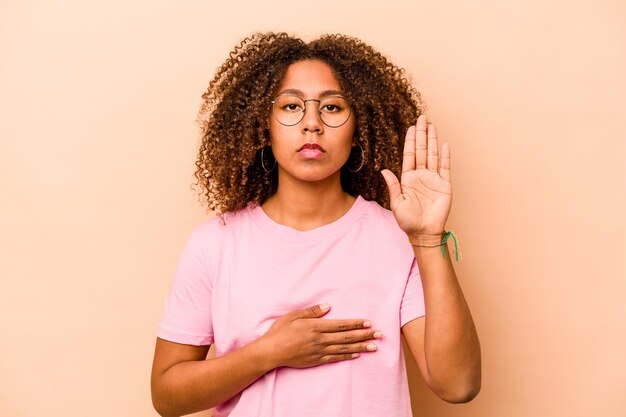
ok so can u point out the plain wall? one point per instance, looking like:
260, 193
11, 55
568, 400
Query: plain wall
98, 103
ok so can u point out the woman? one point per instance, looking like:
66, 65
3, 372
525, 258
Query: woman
306, 282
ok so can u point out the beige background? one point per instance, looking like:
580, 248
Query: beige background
97, 120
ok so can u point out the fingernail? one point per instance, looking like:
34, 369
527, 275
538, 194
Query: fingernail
355, 355
324, 306
371, 347
378, 335
367, 323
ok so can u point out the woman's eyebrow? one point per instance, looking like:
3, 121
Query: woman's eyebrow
301, 94
293, 91
331, 93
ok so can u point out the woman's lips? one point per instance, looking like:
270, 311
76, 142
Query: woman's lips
311, 151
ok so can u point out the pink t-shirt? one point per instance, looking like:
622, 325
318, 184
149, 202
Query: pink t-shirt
235, 279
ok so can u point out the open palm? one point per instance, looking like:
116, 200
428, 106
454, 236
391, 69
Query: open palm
421, 200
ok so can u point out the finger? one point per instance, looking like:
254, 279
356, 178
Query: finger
337, 358
332, 326
351, 348
420, 142
312, 312
444, 169
408, 156
395, 190
433, 148
352, 336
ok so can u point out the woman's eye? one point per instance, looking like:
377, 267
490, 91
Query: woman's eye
331, 108
291, 107
334, 105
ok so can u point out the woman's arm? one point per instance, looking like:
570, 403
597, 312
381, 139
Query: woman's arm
444, 343
184, 381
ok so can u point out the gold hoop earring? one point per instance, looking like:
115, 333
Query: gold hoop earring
362, 160
263, 161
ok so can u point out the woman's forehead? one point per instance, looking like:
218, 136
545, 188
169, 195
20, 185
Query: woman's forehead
311, 77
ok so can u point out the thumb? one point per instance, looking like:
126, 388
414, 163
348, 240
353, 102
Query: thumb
395, 190
313, 312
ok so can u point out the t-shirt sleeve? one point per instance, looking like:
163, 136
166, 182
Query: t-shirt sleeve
187, 313
412, 305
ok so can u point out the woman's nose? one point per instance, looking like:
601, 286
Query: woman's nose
311, 121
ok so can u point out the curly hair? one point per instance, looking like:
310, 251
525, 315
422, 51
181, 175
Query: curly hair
234, 116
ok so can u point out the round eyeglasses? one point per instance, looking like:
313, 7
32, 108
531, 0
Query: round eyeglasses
289, 110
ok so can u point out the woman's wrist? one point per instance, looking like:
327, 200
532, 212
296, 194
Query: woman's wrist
426, 239
423, 243
265, 353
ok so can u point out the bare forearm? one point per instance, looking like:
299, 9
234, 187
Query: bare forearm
451, 346
192, 386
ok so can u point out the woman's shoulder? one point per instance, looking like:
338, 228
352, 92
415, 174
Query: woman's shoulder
378, 213
382, 221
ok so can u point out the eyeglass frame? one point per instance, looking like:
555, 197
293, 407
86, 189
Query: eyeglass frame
319, 111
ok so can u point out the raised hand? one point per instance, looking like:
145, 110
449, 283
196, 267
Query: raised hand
421, 200
302, 339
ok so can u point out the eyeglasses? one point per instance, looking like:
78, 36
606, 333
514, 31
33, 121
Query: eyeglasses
289, 110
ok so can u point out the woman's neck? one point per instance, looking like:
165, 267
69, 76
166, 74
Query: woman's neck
306, 206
